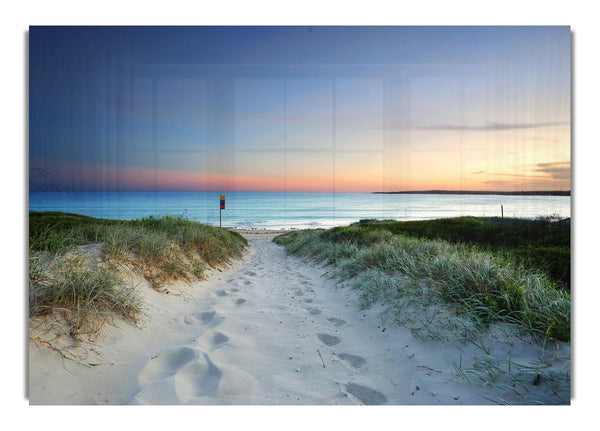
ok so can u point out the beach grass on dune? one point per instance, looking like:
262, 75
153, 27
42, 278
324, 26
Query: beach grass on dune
75, 261
406, 266
542, 244
84, 294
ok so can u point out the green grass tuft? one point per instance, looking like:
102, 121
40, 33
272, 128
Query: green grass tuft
542, 244
83, 292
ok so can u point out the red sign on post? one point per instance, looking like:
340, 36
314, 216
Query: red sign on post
222, 207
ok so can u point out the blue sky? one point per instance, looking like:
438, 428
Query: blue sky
299, 108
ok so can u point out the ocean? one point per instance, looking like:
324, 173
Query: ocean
295, 210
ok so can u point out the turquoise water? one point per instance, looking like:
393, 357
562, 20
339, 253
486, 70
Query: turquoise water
295, 210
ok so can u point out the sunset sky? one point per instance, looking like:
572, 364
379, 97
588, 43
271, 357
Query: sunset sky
299, 109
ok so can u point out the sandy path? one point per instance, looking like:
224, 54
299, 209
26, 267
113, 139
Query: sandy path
269, 330
274, 332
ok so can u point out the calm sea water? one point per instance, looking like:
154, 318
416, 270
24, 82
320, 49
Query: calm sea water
295, 210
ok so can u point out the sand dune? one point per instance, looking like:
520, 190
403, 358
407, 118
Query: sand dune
270, 329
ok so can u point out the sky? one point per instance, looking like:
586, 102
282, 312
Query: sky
299, 109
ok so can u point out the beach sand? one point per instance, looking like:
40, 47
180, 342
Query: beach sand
270, 329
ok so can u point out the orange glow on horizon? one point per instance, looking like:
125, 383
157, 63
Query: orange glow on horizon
346, 181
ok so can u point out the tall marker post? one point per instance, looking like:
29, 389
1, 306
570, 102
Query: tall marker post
222, 207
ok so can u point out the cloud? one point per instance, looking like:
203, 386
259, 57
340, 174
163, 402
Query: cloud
501, 174
552, 175
492, 127
557, 170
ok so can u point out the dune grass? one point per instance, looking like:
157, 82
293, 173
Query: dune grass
83, 293
75, 261
542, 244
471, 280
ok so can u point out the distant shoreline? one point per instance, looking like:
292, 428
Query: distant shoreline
467, 192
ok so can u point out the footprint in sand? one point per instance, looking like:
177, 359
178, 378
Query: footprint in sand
314, 311
365, 394
202, 318
354, 360
219, 339
221, 293
250, 273
198, 379
337, 322
305, 282
239, 301
247, 282
330, 340
235, 289
299, 293
166, 364
308, 300
212, 340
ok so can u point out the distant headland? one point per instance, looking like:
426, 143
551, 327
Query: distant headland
477, 192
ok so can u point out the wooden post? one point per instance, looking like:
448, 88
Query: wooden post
221, 207
502, 210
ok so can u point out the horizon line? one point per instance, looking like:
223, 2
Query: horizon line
482, 192
434, 191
